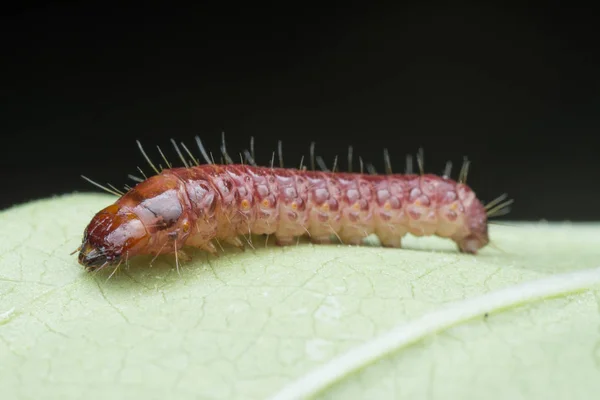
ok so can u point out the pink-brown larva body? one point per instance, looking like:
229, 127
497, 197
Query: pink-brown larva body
194, 206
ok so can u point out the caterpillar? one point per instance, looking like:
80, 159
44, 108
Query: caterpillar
199, 204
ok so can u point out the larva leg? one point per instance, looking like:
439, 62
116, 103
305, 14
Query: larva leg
390, 235
351, 238
210, 248
321, 239
235, 241
355, 241
183, 256
391, 241
202, 243
284, 240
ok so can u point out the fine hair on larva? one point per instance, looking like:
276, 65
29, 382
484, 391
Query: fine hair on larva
205, 203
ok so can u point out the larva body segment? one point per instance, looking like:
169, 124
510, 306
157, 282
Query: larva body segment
194, 206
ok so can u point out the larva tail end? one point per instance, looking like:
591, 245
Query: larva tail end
474, 235
473, 243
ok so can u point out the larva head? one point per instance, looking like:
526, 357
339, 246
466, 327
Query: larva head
112, 234
149, 219
476, 226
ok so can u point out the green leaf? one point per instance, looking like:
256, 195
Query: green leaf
248, 324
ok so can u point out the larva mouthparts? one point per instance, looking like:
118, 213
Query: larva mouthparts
195, 205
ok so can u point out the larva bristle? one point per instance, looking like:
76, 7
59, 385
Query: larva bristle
447, 169
493, 245
96, 270
212, 158
203, 150
252, 147
500, 213
464, 171
250, 158
272, 160
322, 164
336, 234
193, 159
421, 160
179, 153
115, 189
76, 250
301, 163
169, 165
142, 172
280, 153
135, 178
228, 159
497, 200
147, 158
100, 186
177, 259
502, 224
219, 244
335, 160
312, 156
249, 241
157, 254
127, 187
350, 159
387, 162
409, 165
362, 165
371, 169
500, 210
114, 271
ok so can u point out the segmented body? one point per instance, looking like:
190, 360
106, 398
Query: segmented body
197, 205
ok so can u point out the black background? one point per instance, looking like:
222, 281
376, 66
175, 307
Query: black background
514, 89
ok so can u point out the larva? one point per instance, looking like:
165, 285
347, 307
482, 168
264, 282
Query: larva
197, 205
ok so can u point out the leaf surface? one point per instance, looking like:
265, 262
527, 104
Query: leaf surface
246, 324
